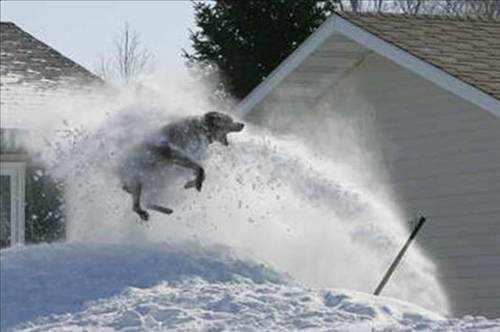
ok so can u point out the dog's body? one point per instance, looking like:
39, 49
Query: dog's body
179, 143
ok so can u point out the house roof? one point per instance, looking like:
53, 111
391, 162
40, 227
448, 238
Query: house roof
343, 41
30, 60
467, 48
33, 74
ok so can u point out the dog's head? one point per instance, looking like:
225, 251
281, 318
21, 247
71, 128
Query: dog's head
219, 125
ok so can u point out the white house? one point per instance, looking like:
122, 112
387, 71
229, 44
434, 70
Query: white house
431, 88
31, 73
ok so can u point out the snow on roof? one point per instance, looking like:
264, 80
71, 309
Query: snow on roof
25, 58
32, 73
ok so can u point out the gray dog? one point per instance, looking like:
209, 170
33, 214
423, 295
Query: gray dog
177, 143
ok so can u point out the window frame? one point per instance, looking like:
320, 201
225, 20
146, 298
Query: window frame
16, 171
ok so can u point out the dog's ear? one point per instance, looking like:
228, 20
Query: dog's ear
211, 119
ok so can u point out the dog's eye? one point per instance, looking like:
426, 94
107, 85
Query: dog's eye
212, 116
218, 119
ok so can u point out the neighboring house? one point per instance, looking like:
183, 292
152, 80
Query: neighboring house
431, 87
31, 72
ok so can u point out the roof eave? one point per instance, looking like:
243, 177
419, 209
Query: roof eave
286, 67
337, 24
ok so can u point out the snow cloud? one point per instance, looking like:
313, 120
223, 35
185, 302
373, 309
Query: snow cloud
310, 215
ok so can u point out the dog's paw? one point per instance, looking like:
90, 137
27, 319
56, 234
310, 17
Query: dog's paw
196, 183
143, 214
166, 210
190, 184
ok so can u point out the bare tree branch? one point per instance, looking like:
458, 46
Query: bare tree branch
128, 61
483, 8
102, 68
354, 5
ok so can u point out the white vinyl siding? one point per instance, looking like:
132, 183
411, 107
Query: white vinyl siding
439, 140
442, 156
443, 159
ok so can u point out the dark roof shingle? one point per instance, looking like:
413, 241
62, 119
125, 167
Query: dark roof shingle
34, 76
467, 48
31, 60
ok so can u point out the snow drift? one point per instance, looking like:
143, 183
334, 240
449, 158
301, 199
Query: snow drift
58, 279
110, 287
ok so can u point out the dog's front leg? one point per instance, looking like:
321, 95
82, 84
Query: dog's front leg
182, 160
197, 181
177, 157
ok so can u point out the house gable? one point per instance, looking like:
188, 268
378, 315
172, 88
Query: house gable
347, 41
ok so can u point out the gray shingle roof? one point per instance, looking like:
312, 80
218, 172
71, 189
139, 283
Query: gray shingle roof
467, 48
30, 60
34, 77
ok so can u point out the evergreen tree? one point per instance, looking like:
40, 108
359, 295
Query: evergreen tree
241, 42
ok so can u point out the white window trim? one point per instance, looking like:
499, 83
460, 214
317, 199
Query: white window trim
17, 173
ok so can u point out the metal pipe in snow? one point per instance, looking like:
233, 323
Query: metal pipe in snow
400, 255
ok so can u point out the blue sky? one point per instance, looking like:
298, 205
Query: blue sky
83, 30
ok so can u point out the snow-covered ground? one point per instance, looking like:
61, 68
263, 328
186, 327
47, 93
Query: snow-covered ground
188, 287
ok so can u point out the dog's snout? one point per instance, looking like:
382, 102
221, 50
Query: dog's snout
240, 126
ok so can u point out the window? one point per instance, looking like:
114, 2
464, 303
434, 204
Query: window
12, 200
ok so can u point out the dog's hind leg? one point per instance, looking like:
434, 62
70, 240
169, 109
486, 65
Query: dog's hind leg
136, 198
160, 208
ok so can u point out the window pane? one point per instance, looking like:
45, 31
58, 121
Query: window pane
44, 207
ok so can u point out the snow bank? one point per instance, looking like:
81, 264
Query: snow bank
53, 279
161, 287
